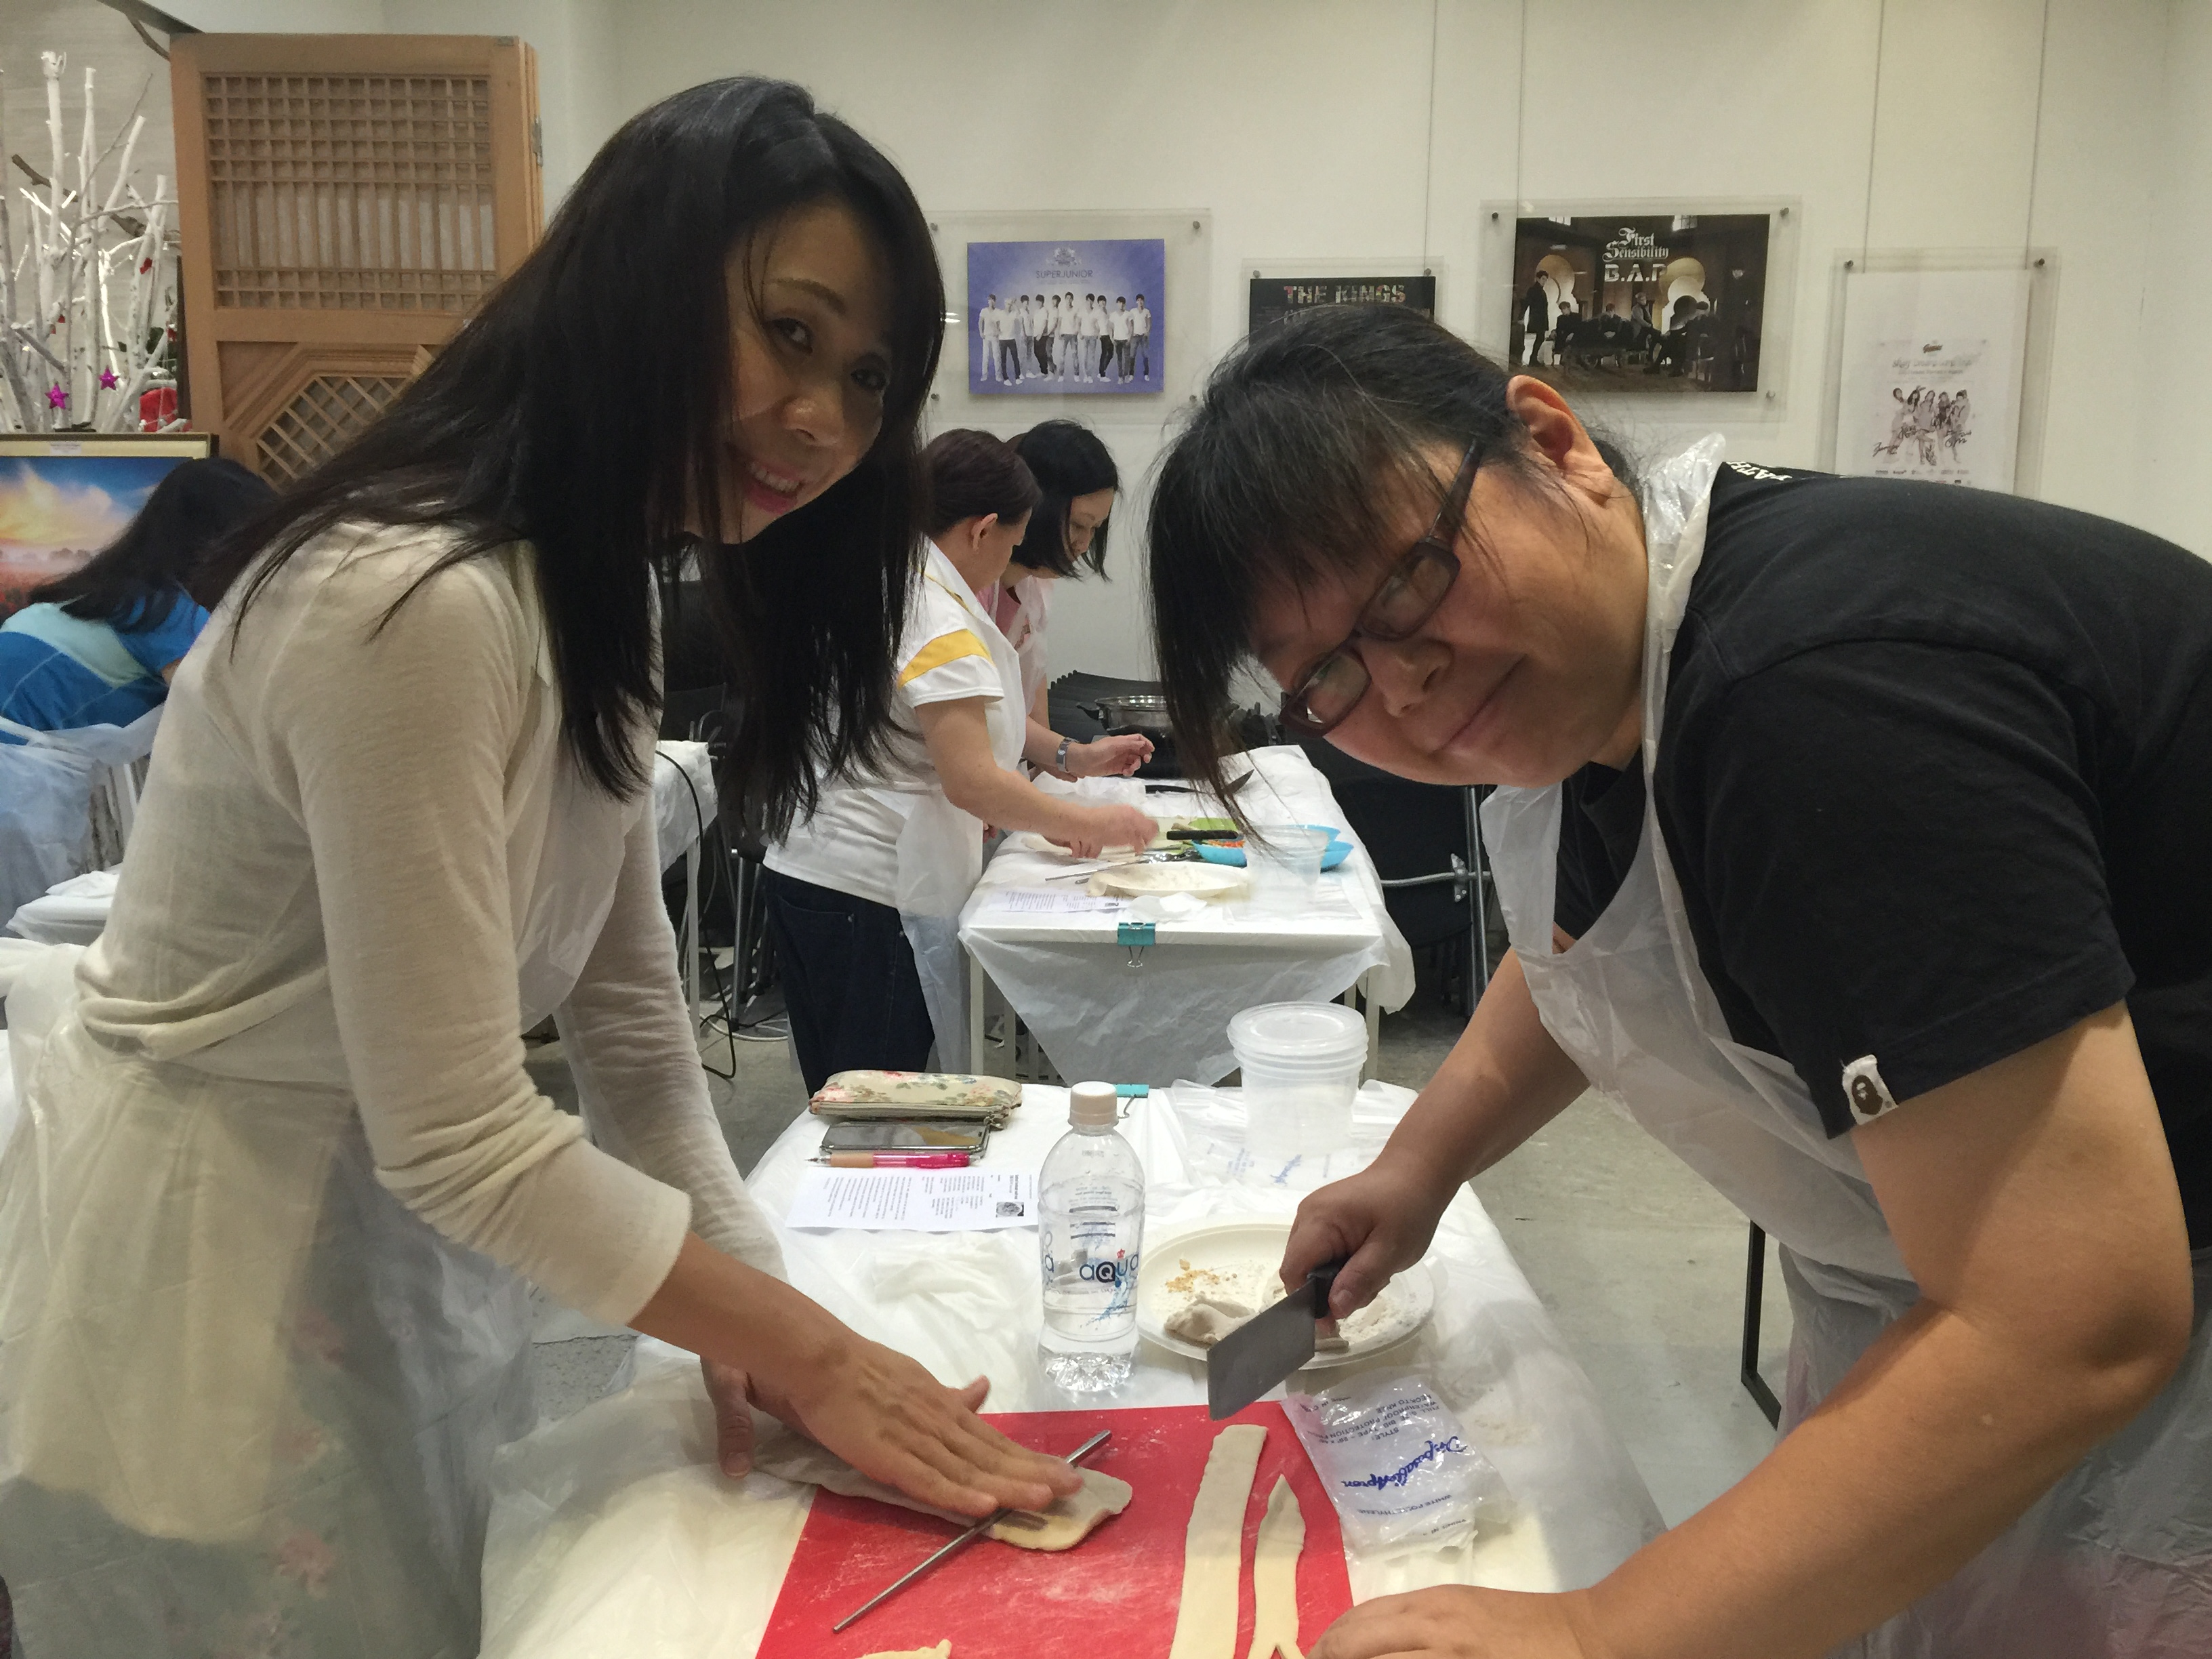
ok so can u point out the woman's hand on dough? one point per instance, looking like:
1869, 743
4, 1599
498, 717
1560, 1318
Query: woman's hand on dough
729, 1389
1090, 830
1109, 757
894, 1422
1454, 1622
1381, 1220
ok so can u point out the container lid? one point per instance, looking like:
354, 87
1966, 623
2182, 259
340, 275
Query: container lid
1320, 1033
1093, 1105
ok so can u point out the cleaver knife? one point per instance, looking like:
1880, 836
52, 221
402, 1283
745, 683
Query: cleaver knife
1268, 1347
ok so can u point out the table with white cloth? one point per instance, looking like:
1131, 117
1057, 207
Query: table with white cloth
1159, 1013
614, 1532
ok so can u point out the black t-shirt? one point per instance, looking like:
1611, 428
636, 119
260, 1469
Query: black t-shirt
1936, 776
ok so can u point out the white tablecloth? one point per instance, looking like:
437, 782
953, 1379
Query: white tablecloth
612, 1531
1167, 1019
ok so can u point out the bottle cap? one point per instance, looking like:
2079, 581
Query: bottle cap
1092, 1106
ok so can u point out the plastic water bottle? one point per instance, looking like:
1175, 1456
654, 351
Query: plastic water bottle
1091, 1233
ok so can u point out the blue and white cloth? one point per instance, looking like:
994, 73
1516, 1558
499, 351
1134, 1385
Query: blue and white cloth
59, 672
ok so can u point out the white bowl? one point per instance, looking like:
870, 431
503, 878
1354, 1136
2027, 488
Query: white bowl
1244, 1256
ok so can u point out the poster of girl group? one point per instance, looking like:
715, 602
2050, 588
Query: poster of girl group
1931, 380
1066, 318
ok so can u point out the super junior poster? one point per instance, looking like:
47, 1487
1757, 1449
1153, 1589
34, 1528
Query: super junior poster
1066, 318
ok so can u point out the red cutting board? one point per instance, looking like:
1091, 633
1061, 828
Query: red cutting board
1113, 1596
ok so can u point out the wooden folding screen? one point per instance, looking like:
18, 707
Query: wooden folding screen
345, 200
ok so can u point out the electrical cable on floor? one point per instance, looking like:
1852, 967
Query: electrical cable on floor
722, 990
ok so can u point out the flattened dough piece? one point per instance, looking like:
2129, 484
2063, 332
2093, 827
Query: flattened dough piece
1213, 1548
942, 1650
1206, 1321
1073, 1518
1275, 1576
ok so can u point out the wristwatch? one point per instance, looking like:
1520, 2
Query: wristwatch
1060, 755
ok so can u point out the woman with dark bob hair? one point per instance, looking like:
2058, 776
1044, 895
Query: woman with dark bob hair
264, 1313
864, 894
1852, 837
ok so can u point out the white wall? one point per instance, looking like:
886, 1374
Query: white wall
124, 67
2174, 432
1331, 130
1304, 125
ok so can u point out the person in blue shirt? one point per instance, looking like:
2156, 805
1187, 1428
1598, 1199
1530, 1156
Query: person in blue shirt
98, 645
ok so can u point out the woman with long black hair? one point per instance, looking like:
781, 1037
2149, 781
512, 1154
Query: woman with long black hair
263, 1315
1064, 537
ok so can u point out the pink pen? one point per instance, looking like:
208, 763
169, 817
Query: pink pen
895, 1160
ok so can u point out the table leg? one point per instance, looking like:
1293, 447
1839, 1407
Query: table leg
975, 983
691, 940
1374, 1025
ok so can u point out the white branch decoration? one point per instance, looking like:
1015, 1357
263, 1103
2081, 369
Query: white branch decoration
88, 303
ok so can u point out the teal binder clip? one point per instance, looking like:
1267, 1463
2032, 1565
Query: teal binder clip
1134, 936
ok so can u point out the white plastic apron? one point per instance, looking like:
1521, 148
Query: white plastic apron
940, 850
2116, 1561
249, 1401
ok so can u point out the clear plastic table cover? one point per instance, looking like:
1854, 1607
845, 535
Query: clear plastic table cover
1058, 971
613, 1532
72, 912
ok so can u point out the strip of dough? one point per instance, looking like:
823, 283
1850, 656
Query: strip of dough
1213, 1548
1275, 1576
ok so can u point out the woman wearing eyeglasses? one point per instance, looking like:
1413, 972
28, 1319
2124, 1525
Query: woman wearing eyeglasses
1912, 960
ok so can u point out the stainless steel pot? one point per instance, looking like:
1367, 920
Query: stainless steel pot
1140, 713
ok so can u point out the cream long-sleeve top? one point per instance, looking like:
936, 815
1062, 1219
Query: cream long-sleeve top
360, 835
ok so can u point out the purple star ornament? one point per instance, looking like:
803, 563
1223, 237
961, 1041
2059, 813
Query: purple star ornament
107, 378
56, 398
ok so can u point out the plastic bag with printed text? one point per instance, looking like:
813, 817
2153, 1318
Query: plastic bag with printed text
1400, 1468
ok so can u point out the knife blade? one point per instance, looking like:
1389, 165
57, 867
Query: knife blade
1268, 1347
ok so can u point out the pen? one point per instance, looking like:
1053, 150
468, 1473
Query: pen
895, 1160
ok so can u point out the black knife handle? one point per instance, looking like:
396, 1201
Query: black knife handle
1323, 1280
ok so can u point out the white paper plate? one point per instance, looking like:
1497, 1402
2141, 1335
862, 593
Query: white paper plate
1241, 1252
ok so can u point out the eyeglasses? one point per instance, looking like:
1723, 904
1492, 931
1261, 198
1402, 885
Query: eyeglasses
1401, 608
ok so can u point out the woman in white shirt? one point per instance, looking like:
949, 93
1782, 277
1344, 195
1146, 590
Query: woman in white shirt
266, 1225
1065, 537
839, 881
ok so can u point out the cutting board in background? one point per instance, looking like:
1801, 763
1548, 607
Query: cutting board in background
1113, 1596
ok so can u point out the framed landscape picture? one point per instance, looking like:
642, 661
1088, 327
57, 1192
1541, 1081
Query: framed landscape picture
62, 498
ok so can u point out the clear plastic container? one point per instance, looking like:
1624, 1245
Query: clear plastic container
1301, 1063
1091, 1233
1283, 861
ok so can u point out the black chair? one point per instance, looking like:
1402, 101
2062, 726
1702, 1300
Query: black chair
1428, 855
